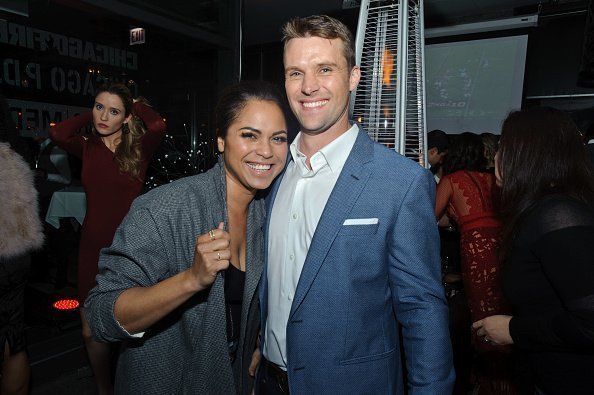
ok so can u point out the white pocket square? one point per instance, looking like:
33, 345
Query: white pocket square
360, 221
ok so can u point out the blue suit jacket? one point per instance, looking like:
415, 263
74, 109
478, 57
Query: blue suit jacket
360, 281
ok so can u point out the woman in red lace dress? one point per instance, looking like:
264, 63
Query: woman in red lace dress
115, 158
469, 195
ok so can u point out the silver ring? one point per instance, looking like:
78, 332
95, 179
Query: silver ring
218, 256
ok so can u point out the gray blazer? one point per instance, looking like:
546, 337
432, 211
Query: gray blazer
186, 352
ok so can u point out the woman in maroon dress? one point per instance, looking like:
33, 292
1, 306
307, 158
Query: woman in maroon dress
469, 195
115, 158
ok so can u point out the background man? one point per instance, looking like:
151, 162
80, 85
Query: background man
437, 148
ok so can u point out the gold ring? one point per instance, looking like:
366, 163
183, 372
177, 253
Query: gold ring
218, 256
211, 234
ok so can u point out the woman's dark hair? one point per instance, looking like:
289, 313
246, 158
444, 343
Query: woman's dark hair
540, 153
466, 152
235, 97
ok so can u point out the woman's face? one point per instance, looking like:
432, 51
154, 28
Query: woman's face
255, 147
109, 114
498, 177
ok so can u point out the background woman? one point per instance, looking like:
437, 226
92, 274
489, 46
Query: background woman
183, 268
490, 144
114, 163
469, 194
547, 195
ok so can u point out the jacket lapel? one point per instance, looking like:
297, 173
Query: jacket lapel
349, 185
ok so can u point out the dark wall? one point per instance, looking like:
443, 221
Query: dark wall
554, 57
265, 62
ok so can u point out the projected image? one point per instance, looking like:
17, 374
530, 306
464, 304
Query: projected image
472, 85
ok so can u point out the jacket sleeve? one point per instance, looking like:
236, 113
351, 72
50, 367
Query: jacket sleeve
418, 294
137, 258
65, 136
566, 257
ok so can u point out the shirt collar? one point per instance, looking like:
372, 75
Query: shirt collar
334, 154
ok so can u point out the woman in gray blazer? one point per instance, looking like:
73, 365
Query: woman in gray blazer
178, 284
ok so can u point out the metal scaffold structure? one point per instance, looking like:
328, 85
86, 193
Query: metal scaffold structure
390, 99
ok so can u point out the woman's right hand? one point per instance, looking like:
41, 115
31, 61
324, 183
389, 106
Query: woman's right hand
211, 255
138, 308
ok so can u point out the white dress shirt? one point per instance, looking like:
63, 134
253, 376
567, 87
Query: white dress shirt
298, 206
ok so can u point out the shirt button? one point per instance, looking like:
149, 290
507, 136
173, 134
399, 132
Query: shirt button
294, 215
290, 297
291, 257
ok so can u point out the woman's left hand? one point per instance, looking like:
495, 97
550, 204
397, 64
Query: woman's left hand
494, 329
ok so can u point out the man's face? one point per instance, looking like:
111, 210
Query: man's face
318, 84
434, 156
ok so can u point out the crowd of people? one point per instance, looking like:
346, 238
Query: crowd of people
524, 228
315, 266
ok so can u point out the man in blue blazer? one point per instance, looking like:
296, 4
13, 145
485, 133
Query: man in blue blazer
352, 248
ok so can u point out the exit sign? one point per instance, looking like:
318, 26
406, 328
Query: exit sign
137, 36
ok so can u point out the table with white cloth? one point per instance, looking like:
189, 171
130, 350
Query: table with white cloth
69, 202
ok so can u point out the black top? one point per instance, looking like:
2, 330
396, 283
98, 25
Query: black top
549, 279
234, 284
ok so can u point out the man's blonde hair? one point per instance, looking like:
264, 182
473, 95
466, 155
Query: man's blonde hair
321, 26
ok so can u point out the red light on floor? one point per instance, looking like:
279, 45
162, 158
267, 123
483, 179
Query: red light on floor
66, 304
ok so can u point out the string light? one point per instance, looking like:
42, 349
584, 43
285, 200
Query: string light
180, 156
